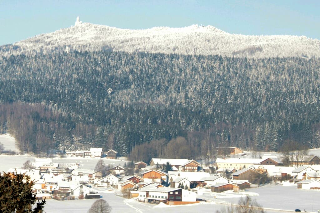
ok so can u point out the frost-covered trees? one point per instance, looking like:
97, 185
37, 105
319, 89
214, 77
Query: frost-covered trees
63, 101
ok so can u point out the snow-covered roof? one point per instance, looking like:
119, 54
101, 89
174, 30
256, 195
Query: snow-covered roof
191, 176
313, 174
211, 178
158, 189
300, 169
242, 171
173, 162
239, 160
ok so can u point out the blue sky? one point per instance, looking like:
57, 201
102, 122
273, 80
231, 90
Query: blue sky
22, 19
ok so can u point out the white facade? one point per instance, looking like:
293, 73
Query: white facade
188, 196
111, 180
236, 163
96, 152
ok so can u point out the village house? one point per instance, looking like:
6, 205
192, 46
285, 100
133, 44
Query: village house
314, 175
92, 153
272, 161
154, 176
117, 170
245, 174
96, 152
213, 180
190, 166
126, 185
111, 154
221, 187
171, 196
308, 184
235, 163
176, 164
240, 185
195, 178
111, 180
300, 172
180, 182
304, 160
140, 165
132, 178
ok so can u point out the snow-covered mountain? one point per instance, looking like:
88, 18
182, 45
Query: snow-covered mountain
195, 39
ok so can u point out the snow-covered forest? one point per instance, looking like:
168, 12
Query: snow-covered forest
195, 39
123, 100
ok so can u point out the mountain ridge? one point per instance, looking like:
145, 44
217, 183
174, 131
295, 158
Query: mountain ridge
190, 40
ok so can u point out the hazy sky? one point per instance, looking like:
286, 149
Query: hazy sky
22, 19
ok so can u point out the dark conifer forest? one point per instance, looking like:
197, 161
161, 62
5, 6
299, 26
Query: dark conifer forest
146, 104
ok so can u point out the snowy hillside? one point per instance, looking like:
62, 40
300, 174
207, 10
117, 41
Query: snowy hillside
206, 40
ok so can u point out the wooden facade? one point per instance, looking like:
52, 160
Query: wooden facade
153, 175
175, 195
248, 174
140, 165
127, 185
270, 161
191, 166
222, 187
111, 154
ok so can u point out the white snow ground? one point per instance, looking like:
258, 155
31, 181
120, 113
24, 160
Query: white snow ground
8, 142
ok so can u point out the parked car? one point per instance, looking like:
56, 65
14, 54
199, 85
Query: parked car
297, 210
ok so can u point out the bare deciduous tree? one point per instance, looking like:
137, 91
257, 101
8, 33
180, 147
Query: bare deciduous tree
100, 206
245, 205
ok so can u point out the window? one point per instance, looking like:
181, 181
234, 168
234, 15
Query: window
178, 197
171, 197
161, 196
176, 193
171, 193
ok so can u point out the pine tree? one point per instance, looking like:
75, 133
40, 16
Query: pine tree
16, 194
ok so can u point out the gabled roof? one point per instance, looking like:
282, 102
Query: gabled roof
111, 150
313, 174
158, 171
123, 183
129, 177
192, 176
190, 162
221, 184
178, 179
300, 169
140, 162
277, 160
211, 178
242, 171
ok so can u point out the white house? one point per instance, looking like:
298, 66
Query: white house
180, 182
300, 172
96, 152
213, 180
236, 163
111, 180
308, 184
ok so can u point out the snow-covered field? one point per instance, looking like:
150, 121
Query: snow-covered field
275, 198
8, 142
